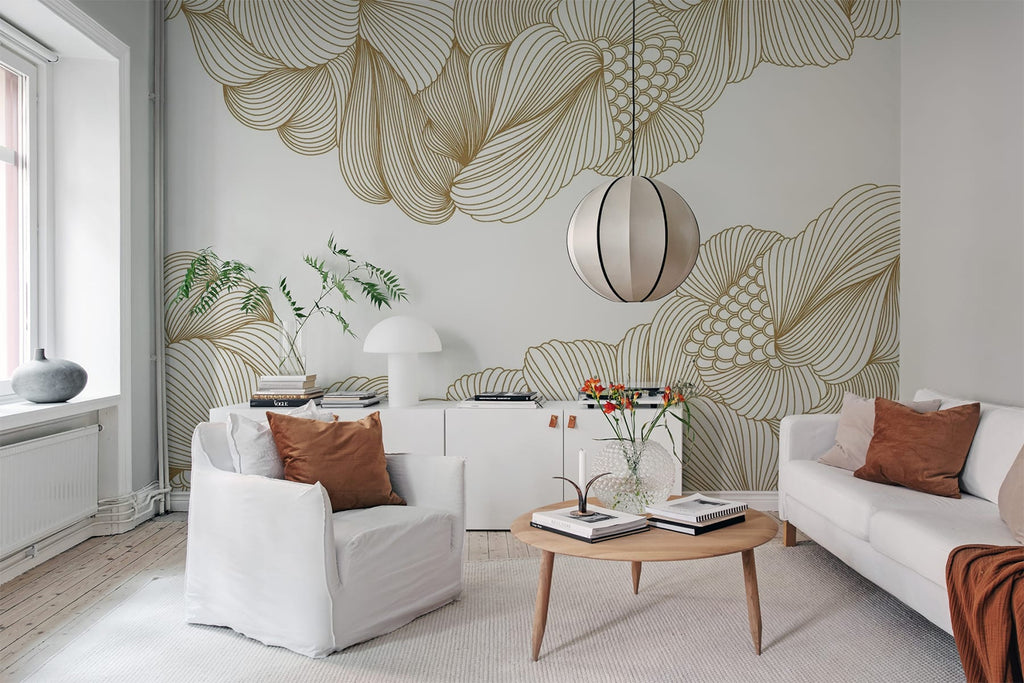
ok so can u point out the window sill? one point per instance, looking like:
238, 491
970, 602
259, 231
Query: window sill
20, 413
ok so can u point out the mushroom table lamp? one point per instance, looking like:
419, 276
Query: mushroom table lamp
402, 337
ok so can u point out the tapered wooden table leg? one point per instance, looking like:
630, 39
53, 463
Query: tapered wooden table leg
540, 608
635, 566
753, 600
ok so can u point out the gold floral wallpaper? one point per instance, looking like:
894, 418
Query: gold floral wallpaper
490, 109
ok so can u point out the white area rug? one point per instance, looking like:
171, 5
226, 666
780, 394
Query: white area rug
822, 622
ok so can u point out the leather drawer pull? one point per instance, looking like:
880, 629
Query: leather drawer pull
553, 422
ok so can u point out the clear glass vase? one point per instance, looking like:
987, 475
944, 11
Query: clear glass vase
642, 473
291, 354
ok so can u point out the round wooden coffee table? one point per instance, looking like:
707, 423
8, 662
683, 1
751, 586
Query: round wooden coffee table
656, 545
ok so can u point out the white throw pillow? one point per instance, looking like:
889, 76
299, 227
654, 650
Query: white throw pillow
252, 446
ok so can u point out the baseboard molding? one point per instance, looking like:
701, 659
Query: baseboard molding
45, 549
758, 500
114, 517
179, 501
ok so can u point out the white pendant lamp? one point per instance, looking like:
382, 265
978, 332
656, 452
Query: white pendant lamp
633, 238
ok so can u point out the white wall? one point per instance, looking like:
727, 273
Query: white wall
132, 23
962, 278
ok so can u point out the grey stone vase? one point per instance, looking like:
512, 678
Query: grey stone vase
48, 380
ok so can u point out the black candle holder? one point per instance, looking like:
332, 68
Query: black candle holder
582, 511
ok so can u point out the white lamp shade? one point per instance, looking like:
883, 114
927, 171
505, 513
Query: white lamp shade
402, 334
633, 239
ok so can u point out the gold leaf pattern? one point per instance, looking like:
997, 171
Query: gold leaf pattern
212, 359
765, 326
492, 108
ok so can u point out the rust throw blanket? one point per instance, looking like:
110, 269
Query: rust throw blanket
986, 602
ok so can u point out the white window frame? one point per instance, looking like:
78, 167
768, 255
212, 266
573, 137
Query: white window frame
24, 54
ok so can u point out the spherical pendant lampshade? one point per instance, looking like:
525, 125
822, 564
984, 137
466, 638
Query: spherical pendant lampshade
633, 239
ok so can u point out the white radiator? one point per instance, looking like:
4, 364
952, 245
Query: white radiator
46, 485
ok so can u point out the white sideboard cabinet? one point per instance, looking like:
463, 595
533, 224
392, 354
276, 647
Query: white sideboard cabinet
512, 454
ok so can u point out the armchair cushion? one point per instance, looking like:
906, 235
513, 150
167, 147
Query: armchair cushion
347, 458
252, 445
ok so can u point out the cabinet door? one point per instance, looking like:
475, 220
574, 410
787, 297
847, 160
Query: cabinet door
590, 425
511, 456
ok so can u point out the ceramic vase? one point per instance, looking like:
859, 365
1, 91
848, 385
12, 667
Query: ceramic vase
642, 473
48, 380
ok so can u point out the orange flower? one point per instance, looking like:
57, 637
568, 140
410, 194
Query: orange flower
609, 407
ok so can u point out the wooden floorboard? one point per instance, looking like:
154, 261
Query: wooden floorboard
50, 605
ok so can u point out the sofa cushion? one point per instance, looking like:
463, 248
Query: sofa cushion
925, 452
920, 537
856, 427
1011, 498
999, 437
844, 500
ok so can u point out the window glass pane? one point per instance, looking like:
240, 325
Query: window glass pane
12, 177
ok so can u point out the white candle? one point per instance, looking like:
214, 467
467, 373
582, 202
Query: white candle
583, 469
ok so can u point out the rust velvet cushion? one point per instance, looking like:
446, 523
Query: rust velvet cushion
347, 458
922, 451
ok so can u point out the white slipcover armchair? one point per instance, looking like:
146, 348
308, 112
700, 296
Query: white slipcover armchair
267, 557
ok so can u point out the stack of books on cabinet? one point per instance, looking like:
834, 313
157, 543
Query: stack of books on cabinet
349, 399
696, 514
600, 526
503, 399
285, 391
650, 397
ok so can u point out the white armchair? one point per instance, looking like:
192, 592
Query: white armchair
267, 557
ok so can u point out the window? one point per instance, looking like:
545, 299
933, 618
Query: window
17, 214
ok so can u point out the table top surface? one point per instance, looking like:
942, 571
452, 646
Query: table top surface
655, 545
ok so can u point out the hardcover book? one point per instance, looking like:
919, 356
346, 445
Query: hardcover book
696, 508
506, 396
606, 537
695, 529
331, 403
605, 522
258, 402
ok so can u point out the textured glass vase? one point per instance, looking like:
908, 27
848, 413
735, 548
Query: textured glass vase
642, 473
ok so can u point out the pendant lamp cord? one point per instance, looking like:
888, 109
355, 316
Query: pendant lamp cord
632, 71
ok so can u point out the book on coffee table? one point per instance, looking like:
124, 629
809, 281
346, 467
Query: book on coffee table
619, 534
696, 529
604, 523
696, 508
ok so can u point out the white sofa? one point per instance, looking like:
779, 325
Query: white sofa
897, 537
267, 557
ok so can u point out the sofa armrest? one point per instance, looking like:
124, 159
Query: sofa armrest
249, 536
806, 437
433, 481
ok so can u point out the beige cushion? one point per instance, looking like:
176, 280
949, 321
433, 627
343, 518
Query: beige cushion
856, 427
925, 452
1011, 498
347, 458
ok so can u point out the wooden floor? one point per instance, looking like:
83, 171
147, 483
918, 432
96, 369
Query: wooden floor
50, 605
